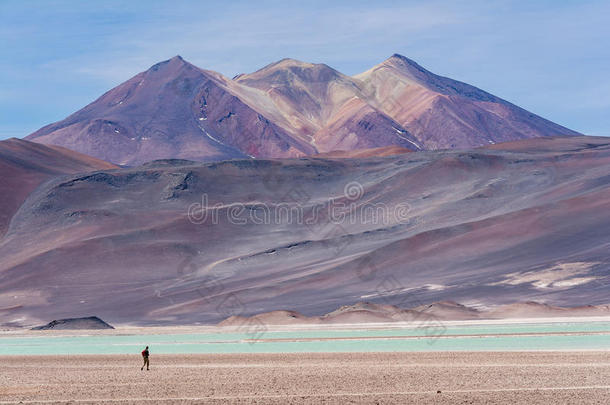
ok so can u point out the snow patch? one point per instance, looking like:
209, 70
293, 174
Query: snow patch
402, 131
410, 141
435, 287
210, 136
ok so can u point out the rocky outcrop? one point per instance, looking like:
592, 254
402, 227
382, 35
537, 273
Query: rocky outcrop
91, 322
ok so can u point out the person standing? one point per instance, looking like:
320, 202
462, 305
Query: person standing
145, 354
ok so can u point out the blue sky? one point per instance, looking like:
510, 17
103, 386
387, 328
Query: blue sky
550, 57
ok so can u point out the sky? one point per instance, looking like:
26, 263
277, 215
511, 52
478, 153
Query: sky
549, 57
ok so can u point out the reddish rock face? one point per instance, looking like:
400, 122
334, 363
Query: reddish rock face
288, 109
24, 165
325, 107
365, 153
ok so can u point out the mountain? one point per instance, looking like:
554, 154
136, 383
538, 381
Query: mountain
289, 108
173, 110
25, 165
178, 242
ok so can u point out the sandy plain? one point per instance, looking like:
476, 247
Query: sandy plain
311, 378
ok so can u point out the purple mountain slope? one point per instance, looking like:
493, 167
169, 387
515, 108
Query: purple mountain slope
182, 242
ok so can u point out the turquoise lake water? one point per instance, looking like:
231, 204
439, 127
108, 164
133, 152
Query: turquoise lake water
429, 338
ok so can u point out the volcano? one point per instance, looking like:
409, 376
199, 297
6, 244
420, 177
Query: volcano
290, 108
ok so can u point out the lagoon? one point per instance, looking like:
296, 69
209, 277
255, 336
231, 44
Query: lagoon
496, 337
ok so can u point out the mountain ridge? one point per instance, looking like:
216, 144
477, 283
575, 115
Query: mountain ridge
25, 165
286, 109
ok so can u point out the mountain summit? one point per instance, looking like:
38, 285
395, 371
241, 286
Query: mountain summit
445, 113
172, 110
288, 109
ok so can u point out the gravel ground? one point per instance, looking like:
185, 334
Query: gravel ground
311, 378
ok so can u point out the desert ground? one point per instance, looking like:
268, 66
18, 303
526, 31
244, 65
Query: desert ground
308, 378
